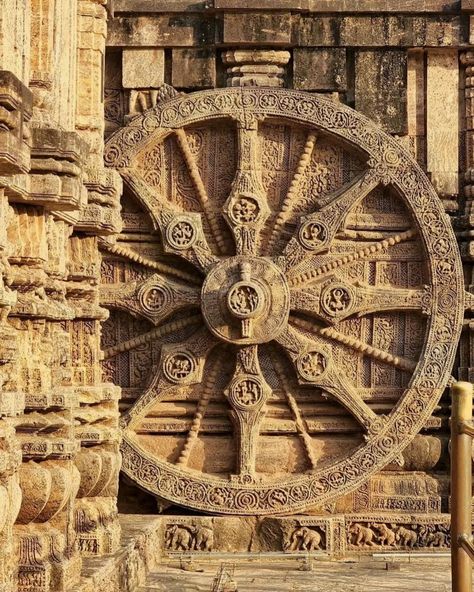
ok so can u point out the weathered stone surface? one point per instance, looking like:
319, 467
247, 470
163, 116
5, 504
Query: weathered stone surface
274, 202
442, 99
193, 68
257, 28
247, 67
164, 31
380, 91
320, 69
400, 6
143, 68
379, 31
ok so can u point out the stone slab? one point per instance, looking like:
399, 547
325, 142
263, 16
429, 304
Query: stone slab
319, 69
127, 568
333, 6
380, 31
156, 6
185, 30
442, 128
266, 574
380, 89
143, 68
257, 28
384, 5
193, 68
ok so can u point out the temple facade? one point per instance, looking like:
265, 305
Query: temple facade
235, 279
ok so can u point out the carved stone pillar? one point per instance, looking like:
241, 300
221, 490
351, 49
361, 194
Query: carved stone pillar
97, 417
15, 111
256, 67
466, 220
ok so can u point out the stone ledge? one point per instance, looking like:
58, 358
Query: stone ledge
125, 570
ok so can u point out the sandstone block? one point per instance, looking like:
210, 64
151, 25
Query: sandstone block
379, 31
384, 5
193, 68
143, 6
143, 68
442, 118
319, 69
257, 28
380, 89
162, 31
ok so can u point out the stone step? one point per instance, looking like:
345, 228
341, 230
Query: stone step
127, 569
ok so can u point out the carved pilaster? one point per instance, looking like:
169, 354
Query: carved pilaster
259, 67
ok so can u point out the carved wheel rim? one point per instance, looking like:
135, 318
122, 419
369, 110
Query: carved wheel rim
237, 311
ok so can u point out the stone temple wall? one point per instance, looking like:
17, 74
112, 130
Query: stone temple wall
59, 436
72, 71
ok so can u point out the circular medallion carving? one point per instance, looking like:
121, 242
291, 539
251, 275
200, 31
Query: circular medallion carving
245, 210
294, 294
179, 366
312, 365
154, 298
246, 392
336, 300
181, 234
313, 235
263, 298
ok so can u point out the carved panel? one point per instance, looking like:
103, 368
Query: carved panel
300, 295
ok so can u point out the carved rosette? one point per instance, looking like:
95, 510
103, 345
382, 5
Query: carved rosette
283, 283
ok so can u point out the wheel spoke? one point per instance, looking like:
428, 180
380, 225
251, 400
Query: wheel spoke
200, 189
300, 423
154, 335
180, 364
154, 298
314, 366
319, 271
247, 394
357, 345
293, 197
181, 232
316, 231
133, 256
208, 387
246, 208
336, 300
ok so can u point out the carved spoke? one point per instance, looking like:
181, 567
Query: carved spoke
181, 232
328, 268
292, 198
300, 423
246, 209
181, 364
247, 393
358, 345
135, 257
154, 335
314, 365
154, 299
336, 300
207, 390
316, 231
199, 186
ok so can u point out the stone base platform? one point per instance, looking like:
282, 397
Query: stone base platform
290, 574
165, 548
127, 569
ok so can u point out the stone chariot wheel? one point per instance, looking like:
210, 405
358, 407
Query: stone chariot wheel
305, 295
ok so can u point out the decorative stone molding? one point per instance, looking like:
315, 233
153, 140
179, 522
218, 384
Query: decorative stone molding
259, 67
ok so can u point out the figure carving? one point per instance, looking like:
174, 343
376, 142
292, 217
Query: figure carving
194, 537
406, 537
363, 536
304, 539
